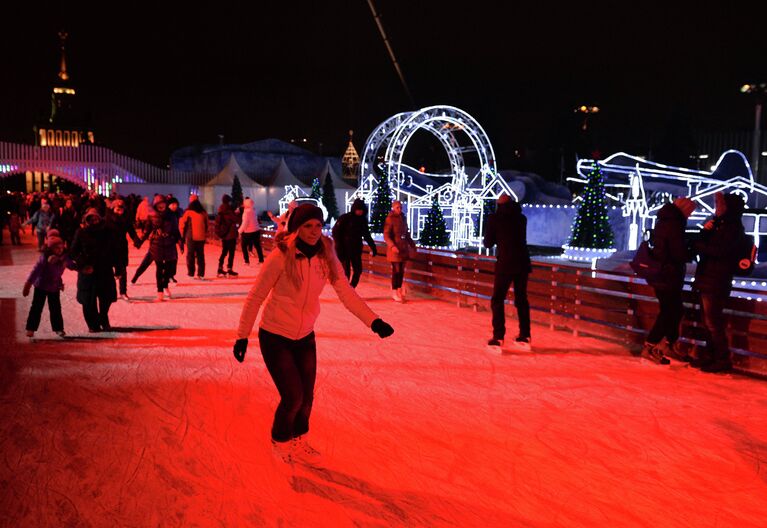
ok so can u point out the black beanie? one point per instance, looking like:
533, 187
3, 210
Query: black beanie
302, 214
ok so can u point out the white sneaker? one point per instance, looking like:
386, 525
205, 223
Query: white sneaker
522, 343
397, 295
303, 451
159, 297
124, 297
167, 292
283, 451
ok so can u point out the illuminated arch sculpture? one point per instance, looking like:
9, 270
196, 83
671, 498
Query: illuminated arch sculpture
460, 194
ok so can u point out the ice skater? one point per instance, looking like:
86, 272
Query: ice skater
398, 247
47, 282
292, 278
95, 255
348, 234
163, 235
507, 229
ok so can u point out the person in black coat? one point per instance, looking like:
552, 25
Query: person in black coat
670, 249
718, 248
67, 222
348, 233
507, 229
95, 256
119, 221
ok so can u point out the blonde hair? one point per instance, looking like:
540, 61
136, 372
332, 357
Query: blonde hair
286, 242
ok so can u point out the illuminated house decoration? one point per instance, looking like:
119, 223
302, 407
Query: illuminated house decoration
640, 188
65, 126
350, 163
461, 194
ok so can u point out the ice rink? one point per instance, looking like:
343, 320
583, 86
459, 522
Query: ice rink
156, 424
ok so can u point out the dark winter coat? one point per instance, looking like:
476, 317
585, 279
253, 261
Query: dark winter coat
718, 249
507, 229
163, 238
230, 219
121, 225
396, 234
670, 247
95, 255
47, 272
67, 223
350, 230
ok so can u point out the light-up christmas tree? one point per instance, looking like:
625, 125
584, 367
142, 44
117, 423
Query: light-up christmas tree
381, 205
591, 228
434, 233
236, 193
316, 189
329, 198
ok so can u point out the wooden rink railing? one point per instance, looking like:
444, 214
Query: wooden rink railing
609, 305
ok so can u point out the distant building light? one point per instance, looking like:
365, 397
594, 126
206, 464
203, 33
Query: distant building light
764, 153
69, 91
703, 156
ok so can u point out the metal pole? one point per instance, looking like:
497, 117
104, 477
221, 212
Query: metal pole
756, 141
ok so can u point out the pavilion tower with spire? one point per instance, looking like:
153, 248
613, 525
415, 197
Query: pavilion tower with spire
350, 163
66, 126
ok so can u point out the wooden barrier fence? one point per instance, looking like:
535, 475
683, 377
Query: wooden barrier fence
604, 304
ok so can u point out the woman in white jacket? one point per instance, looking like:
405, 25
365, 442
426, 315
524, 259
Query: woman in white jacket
292, 278
250, 231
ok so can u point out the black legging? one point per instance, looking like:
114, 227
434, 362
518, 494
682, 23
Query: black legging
227, 249
355, 263
293, 367
501, 285
250, 240
145, 263
165, 270
397, 274
195, 253
670, 315
36, 310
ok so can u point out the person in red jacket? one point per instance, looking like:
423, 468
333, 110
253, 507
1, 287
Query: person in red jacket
292, 278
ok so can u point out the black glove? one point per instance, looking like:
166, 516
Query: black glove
240, 346
381, 328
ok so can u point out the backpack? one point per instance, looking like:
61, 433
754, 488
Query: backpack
221, 226
746, 257
645, 265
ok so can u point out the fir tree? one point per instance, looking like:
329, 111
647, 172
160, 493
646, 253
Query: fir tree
236, 193
434, 231
316, 190
329, 198
381, 205
591, 228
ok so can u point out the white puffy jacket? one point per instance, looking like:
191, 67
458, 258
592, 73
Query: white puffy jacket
291, 311
249, 218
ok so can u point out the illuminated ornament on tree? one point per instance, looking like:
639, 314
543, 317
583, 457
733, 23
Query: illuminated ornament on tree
434, 232
381, 206
592, 236
461, 193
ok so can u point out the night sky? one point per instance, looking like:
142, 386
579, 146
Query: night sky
155, 81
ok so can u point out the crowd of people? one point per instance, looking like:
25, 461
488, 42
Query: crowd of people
90, 234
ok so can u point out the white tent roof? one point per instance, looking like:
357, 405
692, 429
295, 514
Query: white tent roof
283, 176
338, 182
227, 174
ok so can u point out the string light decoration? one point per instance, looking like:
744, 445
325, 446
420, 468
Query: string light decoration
591, 227
329, 198
381, 205
434, 232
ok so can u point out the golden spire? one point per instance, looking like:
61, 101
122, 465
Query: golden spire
63, 75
